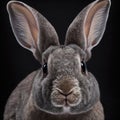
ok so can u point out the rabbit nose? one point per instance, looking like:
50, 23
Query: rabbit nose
64, 93
65, 99
71, 98
65, 86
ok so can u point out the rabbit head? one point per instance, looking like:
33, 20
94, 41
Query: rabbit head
63, 84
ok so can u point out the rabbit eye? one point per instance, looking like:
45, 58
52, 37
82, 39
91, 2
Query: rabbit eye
45, 68
83, 66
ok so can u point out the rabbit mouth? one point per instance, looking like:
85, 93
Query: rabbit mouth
66, 92
60, 99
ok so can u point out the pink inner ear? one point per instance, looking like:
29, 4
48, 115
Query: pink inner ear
30, 18
91, 14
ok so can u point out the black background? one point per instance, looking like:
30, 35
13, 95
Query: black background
17, 62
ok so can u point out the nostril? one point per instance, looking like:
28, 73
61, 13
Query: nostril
66, 94
63, 93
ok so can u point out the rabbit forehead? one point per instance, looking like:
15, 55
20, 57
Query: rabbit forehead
64, 61
64, 52
61, 52
64, 56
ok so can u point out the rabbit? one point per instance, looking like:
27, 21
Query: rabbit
63, 88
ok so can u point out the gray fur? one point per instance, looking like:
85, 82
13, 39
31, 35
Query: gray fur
65, 92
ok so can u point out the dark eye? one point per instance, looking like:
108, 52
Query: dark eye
83, 66
44, 67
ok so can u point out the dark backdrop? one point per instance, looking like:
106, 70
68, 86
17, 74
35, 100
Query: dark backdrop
17, 62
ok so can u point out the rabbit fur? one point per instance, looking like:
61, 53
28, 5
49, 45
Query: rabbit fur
62, 89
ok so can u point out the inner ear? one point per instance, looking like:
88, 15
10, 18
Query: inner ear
31, 21
91, 14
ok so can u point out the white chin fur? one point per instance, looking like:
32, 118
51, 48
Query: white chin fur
66, 109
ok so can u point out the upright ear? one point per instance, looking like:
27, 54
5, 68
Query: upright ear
30, 28
88, 27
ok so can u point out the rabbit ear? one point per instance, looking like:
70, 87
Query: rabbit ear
30, 28
88, 27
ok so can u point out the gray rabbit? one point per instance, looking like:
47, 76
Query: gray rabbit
62, 89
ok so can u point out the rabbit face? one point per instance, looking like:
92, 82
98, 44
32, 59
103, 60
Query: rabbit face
66, 88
